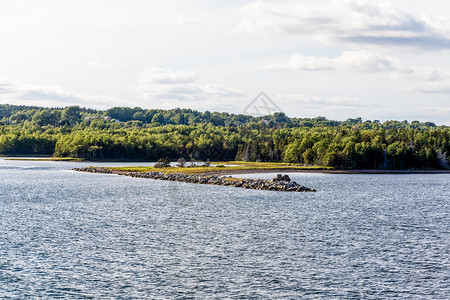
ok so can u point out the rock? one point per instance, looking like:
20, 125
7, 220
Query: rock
281, 178
279, 183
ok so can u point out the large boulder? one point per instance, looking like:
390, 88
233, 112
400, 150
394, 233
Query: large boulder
281, 178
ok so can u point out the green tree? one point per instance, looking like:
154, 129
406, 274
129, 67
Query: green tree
71, 115
163, 163
158, 118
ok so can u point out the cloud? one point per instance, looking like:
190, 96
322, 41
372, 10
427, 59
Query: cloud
16, 92
306, 106
437, 87
162, 76
215, 89
186, 21
428, 79
158, 83
341, 108
359, 22
362, 61
422, 79
316, 102
96, 64
438, 114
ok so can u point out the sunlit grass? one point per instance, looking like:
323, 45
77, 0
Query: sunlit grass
243, 166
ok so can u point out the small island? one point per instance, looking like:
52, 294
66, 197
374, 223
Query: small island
213, 175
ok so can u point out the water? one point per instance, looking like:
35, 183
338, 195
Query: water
75, 235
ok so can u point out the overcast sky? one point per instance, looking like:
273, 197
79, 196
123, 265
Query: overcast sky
384, 60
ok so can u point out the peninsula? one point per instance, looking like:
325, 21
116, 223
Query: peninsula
213, 175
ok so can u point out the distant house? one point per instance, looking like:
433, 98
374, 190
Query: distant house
108, 118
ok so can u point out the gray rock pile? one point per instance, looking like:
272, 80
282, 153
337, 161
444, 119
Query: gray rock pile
281, 178
257, 184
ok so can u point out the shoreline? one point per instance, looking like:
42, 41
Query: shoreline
387, 172
214, 176
226, 171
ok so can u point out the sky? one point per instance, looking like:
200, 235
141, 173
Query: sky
379, 60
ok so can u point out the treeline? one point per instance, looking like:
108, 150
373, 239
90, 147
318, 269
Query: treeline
351, 144
120, 117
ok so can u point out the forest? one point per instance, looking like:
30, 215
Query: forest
124, 133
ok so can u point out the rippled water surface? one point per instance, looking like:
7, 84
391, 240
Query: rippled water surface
65, 234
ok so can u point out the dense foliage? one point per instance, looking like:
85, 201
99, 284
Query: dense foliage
138, 134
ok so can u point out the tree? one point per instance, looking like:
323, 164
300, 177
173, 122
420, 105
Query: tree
181, 162
71, 115
139, 116
207, 163
42, 118
163, 163
280, 117
158, 118
19, 117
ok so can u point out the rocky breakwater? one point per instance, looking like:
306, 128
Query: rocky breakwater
256, 184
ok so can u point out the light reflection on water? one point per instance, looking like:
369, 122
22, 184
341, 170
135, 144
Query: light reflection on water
77, 235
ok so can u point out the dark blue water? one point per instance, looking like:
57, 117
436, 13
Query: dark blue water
74, 235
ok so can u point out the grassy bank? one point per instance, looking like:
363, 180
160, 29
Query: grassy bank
241, 167
236, 167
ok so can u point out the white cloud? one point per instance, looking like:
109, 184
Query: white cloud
96, 64
349, 60
347, 21
435, 87
438, 114
429, 79
162, 76
341, 108
316, 102
158, 83
186, 21
16, 92
418, 78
